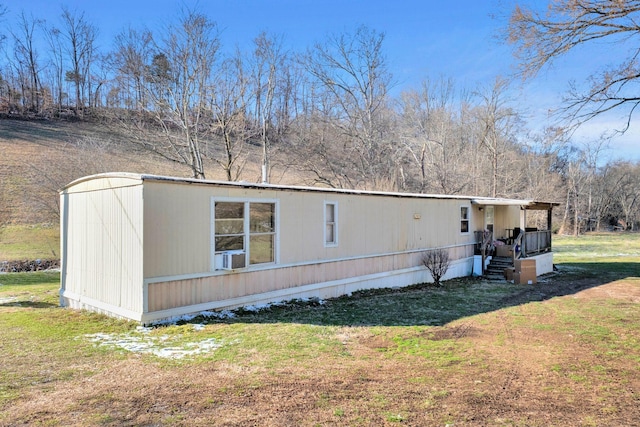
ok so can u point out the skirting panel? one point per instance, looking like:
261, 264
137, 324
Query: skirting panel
325, 289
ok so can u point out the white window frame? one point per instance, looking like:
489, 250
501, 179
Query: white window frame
333, 243
461, 220
246, 231
486, 215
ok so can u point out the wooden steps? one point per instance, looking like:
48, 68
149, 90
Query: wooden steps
495, 269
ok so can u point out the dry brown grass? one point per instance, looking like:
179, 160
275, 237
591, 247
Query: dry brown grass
569, 360
37, 158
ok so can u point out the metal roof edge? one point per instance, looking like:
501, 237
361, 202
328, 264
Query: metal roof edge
243, 184
129, 175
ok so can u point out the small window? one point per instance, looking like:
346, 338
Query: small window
331, 225
464, 219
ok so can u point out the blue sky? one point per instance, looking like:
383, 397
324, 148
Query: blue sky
424, 40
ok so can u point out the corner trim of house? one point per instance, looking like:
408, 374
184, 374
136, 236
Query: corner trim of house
73, 300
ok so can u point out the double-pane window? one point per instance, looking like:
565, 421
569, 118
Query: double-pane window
248, 227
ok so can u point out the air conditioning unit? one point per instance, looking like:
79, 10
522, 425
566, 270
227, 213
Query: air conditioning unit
233, 259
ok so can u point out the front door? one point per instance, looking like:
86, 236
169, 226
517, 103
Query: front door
488, 218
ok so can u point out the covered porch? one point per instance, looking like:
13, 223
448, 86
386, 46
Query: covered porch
512, 229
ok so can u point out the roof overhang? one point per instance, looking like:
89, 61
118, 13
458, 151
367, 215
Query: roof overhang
525, 204
138, 178
541, 206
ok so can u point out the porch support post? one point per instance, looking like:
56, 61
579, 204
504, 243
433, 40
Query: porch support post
523, 228
549, 226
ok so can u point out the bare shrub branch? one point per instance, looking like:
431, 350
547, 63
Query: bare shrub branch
437, 262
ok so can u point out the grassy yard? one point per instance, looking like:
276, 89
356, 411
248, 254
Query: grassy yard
28, 242
472, 353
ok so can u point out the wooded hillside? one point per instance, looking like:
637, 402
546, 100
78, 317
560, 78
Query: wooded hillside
41, 156
171, 102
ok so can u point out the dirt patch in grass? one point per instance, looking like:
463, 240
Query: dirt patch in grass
624, 290
563, 352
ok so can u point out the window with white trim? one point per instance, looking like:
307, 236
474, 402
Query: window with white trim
330, 224
464, 219
247, 227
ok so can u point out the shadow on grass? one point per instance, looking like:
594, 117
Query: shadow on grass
29, 278
28, 304
429, 305
38, 131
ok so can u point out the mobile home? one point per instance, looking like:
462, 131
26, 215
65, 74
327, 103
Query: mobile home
147, 247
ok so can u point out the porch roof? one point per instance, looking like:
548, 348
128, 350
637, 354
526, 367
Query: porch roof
525, 204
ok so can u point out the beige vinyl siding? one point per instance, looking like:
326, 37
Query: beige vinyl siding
166, 295
178, 225
222, 290
104, 227
368, 225
477, 219
506, 217
177, 228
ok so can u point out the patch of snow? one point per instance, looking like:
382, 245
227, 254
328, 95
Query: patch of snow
260, 307
7, 300
256, 308
141, 341
224, 314
230, 314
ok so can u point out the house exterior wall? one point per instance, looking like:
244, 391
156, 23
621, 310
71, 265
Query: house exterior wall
506, 217
178, 231
142, 247
102, 247
380, 242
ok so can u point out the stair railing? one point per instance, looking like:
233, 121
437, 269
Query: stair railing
516, 248
487, 237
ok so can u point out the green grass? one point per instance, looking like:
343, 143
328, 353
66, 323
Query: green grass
26, 242
598, 255
41, 339
595, 247
44, 345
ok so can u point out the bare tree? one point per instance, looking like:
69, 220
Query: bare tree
437, 262
56, 60
3, 11
352, 70
434, 135
179, 88
575, 177
539, 177
229, 110
270, 71
80, 37
627, 196
496, 120
131, 56
566, 25
26, 60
